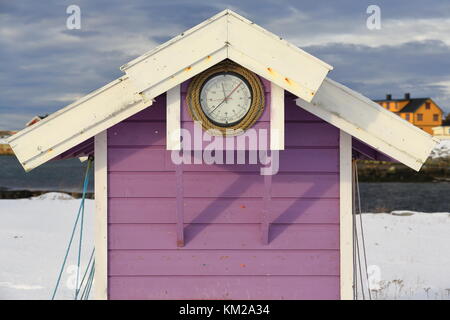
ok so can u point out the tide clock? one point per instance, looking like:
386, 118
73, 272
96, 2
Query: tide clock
227, 98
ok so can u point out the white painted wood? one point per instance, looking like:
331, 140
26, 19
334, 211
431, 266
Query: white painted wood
179, 54
245, 43
370, 123
164, 68
76, 123
345, 218
186, 73
274, 59
180, 37
276, 117
101, 216
173, 125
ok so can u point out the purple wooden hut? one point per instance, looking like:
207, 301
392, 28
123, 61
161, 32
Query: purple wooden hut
223, 167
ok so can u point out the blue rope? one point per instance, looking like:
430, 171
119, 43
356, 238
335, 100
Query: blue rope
86, 183
91, 260
87, 288
80, 210
91, 282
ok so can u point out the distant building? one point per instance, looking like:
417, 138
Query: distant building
35, 119
4, 147
442, 132
422, 112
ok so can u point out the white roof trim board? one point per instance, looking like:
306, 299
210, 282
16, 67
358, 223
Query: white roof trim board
76, 123
226, 35
369, 122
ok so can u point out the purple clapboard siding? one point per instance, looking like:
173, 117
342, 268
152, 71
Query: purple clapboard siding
225, 262
224, 236
223, 256
291, 160
223, 210
221, 184
224, 287
297, 134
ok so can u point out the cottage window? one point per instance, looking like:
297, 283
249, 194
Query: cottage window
435, 117
419, 117
427, 106
407, 116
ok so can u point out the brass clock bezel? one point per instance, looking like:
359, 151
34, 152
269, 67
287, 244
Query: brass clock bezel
256, 107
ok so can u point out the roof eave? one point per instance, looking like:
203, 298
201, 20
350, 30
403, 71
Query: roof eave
369, 122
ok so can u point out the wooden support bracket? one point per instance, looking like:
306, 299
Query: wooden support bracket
265, 217
180, 205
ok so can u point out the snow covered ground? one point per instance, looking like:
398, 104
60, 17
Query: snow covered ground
408, 253
442, 149
34, 234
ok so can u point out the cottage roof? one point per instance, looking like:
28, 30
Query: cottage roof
414, 104
227, 35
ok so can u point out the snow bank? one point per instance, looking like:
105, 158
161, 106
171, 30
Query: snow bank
53, 196
33, 237
408, 254
442, 149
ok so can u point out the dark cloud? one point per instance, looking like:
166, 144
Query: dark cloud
45, 66
414, 67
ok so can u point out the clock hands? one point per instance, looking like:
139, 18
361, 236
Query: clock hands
225, 99
223, 89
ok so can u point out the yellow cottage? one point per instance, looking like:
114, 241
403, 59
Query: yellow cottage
421, 112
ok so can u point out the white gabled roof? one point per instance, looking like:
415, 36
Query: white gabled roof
226, 35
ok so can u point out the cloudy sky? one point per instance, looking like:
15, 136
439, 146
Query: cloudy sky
44, 66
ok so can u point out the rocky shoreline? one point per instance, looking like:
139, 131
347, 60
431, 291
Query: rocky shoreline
24, 194
434, 170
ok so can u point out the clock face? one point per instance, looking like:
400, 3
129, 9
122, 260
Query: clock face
225, 98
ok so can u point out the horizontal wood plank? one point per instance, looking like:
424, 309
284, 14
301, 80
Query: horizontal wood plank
162, 184
157, 111
219, 210
231, 287
311, 134
297, 134
150, 159
294, 113
223, 236
137, 134
223, 262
